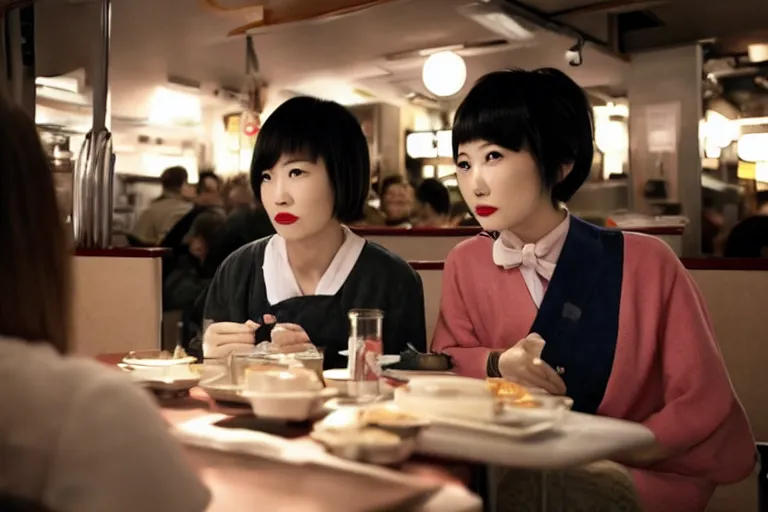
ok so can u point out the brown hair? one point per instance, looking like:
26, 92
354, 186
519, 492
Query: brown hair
174, 178
35, 259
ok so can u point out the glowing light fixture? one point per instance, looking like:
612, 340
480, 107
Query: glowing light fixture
761, 172
444, 73
611, 136
171, 107
753, 147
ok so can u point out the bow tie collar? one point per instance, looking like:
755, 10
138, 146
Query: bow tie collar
510, 252
530, 256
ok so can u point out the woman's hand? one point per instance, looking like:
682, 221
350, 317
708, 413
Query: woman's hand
289, 338
223, 338
522, 364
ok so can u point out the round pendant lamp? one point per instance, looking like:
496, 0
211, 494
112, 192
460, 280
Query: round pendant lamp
444, 73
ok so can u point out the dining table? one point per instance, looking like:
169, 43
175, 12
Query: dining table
240, 481
452, 470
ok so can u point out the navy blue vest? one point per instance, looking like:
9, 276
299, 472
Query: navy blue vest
579, 315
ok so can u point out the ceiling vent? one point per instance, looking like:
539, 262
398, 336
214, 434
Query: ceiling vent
637, 20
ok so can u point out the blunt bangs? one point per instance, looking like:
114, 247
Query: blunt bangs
493, 116
312, 129
284, 133
542, 111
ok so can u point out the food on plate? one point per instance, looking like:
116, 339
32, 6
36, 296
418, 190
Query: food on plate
384, 416
413, 360
369, 437
511, 393
376, 437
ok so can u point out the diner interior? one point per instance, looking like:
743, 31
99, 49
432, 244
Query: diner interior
121, 91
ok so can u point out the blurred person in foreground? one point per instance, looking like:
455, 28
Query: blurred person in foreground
75, 436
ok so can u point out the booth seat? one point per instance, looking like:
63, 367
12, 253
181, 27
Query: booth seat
434, 244
117, 303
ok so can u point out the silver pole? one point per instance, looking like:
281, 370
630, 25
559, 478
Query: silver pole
95, 208
101, 69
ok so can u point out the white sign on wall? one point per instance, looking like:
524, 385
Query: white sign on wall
662, 124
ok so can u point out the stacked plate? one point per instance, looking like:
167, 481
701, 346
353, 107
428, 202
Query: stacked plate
160, 371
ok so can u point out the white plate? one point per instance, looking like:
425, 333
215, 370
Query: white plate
480, 413
158, 362
224, 392
169, 378
384, 359
449, 386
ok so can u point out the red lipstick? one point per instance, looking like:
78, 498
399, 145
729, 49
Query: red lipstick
484, 210
285, 218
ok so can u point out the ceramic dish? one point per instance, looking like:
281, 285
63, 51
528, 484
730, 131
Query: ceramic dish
169, 378
157, 358
224, 392
291, 406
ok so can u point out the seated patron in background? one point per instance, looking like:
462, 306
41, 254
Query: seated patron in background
311, 171
749, 238
612, 320
184, 284
396, 201
75, 436
165, 211
433, 205
237, 194
207, 200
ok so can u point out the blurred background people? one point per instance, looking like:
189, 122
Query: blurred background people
165, 211
433, 205
396, 201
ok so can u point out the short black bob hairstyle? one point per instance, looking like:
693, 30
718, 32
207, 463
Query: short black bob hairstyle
316, 128
542, 111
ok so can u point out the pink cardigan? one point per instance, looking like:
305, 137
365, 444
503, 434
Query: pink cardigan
668, 373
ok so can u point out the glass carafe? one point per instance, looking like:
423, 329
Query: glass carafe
365, 346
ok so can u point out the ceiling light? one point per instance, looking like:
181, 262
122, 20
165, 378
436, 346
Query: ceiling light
497, 21
753, 147
757, 52
444, 73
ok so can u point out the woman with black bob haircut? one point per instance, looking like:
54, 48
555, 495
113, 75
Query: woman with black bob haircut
311, 171
610, 319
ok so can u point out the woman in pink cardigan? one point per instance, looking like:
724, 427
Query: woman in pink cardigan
610, 319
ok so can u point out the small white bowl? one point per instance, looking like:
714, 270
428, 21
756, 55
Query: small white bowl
338, 379
291, 406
